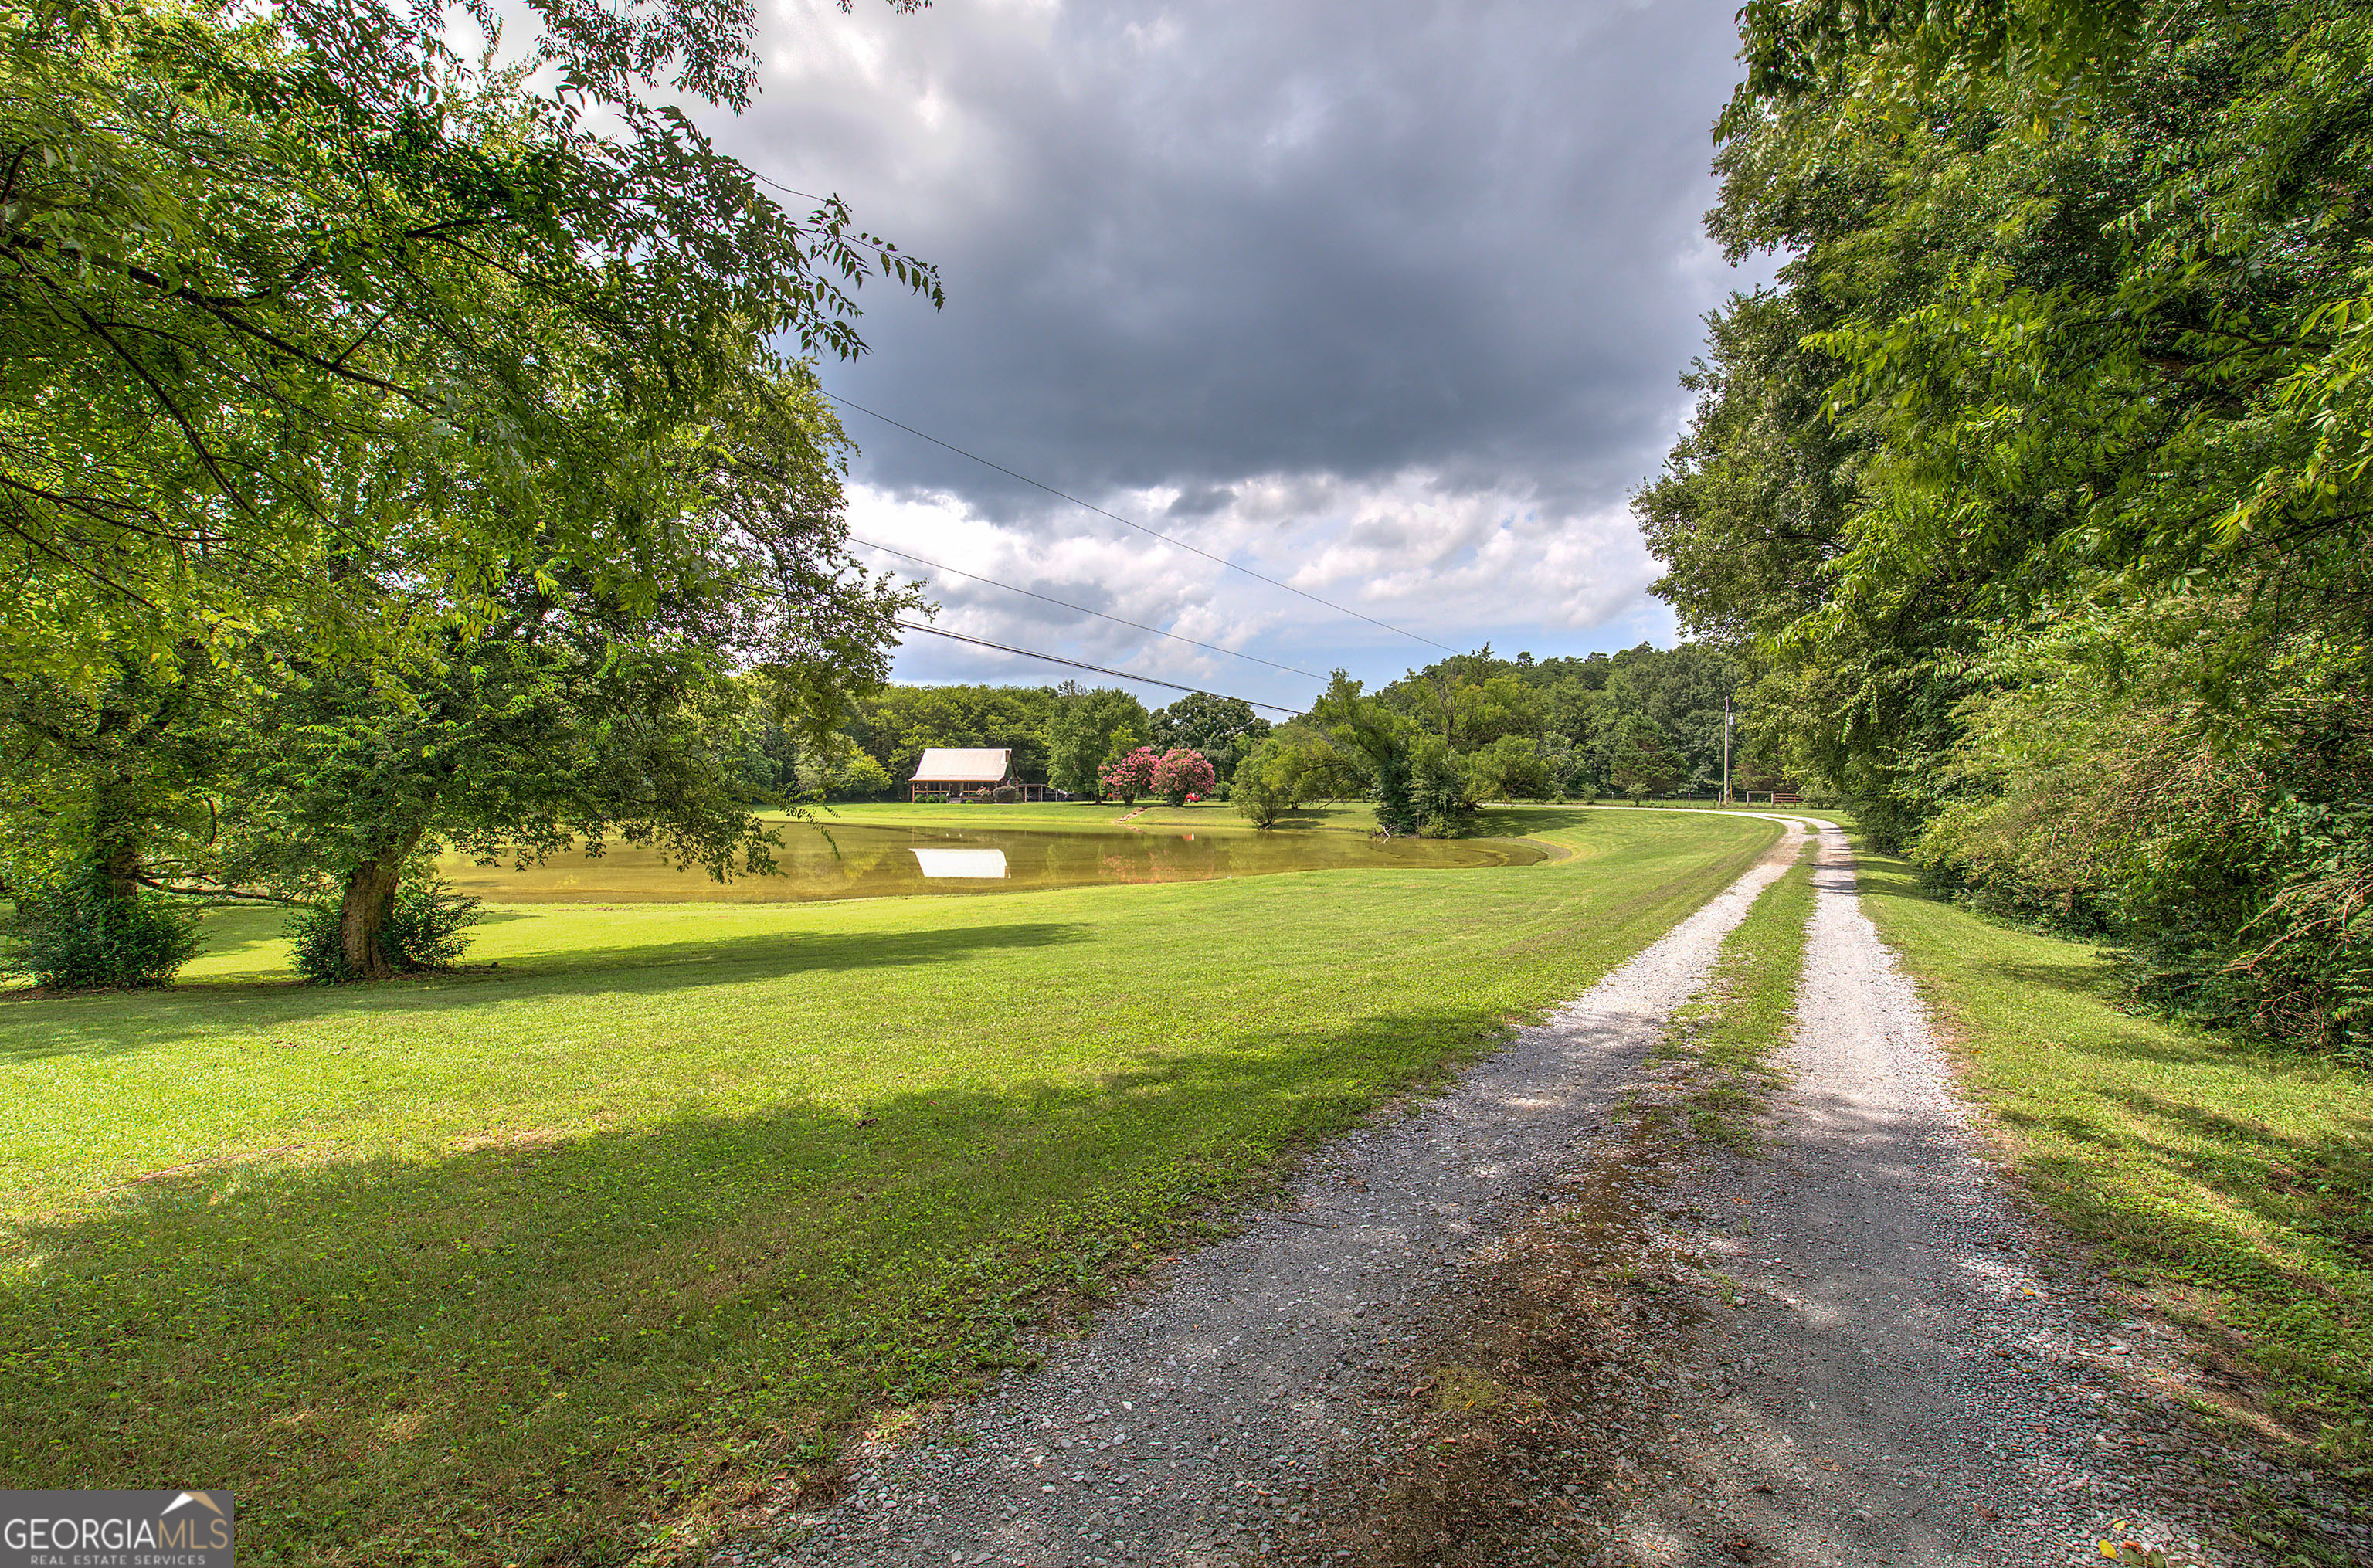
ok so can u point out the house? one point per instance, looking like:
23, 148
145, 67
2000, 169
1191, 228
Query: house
967, 773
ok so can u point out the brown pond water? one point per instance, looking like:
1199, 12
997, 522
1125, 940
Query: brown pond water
824, 860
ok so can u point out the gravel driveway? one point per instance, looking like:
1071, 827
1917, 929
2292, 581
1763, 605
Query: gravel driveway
1191, 1423
1903, 1383
1847, 1348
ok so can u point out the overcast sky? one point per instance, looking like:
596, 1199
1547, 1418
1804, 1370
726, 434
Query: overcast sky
1385, 300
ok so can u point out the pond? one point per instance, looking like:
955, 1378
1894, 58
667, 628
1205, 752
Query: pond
838, 860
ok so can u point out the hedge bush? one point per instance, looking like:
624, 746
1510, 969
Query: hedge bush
74, 935
421, 932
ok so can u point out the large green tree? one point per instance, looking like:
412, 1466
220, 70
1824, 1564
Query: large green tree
282, 284
1085, 730
2043, 477
315, 334
578, 708
1224, 729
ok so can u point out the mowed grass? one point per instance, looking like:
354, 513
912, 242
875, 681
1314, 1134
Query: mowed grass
1731, 1031
560, 1260
2228, 1185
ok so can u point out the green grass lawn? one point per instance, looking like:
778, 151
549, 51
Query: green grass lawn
2228, 1185
556, 1261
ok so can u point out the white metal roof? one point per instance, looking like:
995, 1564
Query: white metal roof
964, 764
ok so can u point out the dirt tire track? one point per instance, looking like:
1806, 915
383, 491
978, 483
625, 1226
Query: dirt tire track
1906, 1383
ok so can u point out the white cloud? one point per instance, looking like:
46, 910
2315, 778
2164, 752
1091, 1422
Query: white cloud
1381, 297
1454, 566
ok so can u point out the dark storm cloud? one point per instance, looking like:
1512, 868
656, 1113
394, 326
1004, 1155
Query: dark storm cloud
1386, 300
1186, 243
1202, 501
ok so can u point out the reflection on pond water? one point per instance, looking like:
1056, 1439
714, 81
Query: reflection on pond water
975, 864
828, 861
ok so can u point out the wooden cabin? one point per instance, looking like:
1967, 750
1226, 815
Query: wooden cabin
967, 773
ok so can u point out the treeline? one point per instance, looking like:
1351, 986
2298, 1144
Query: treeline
1431, 746
1063, 736
2036, 493
1645, 721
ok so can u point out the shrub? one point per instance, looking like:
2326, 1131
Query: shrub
1440, 791
860, 779
1182, 774
1132, 774
1513, 767
72, 933
421, 932
1256, 795
1005, 795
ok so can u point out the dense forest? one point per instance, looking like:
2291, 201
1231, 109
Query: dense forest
2033, 497
1646, 720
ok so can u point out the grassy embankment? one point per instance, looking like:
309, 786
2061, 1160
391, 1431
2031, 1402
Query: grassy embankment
2227, 1185
503, 1266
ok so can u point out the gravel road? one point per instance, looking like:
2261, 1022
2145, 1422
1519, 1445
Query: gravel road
1190, 1427
1903, 1382
1847, 1348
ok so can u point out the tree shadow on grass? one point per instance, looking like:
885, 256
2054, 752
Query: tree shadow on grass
533, 1348
110, 1023
2085, 976
2322, 1185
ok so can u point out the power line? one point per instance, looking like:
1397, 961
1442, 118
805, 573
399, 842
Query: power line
1083, 609
879, 246
788, 190
1167, 539
1076, 665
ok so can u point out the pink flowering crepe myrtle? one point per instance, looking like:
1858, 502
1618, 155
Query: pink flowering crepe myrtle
1184, 775
1132, 775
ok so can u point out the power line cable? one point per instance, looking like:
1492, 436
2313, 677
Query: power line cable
1167, 539
1083, 609
879, 246
788, 190
1076, 665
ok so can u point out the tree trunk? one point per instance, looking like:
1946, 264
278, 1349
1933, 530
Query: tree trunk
363, 911
119, 866
115, 819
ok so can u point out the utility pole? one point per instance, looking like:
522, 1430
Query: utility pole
1725, 748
